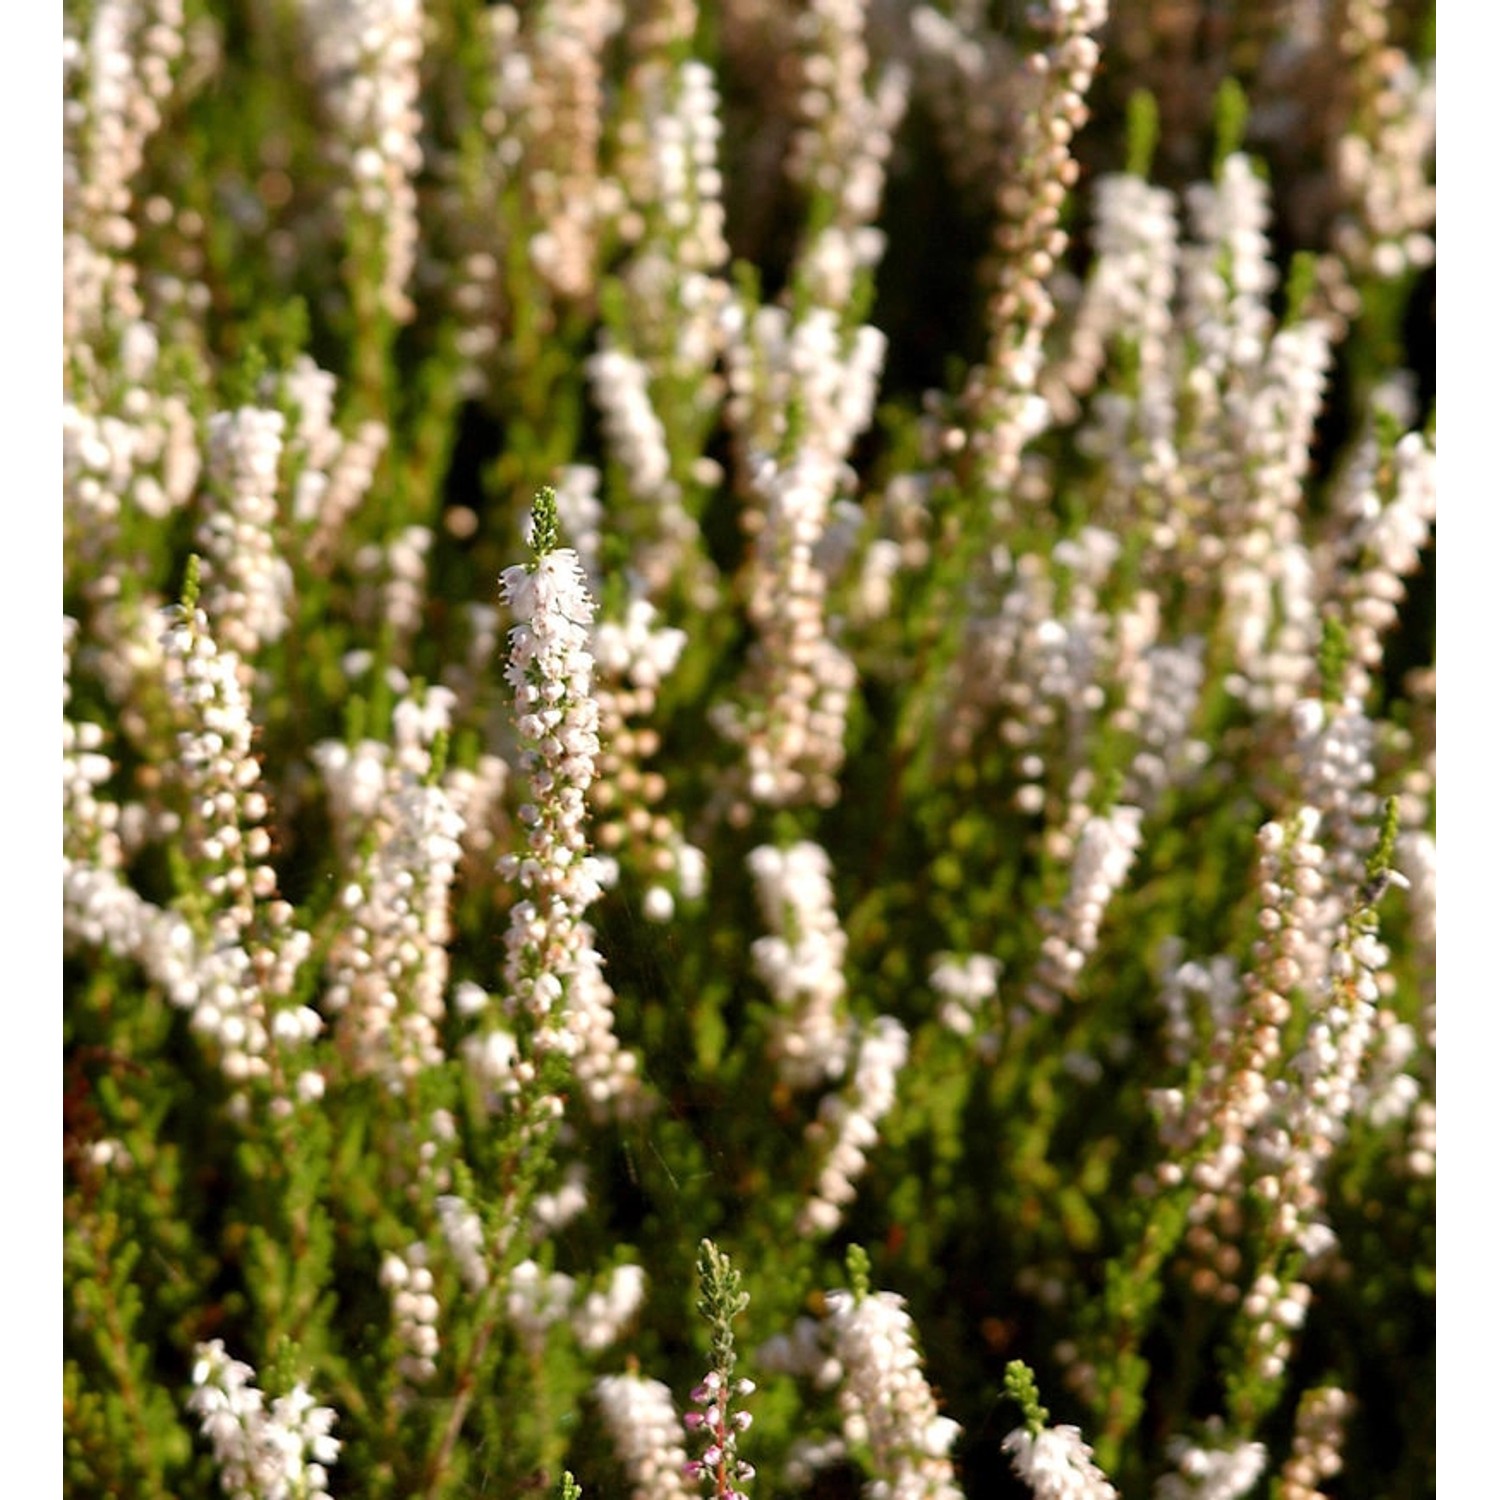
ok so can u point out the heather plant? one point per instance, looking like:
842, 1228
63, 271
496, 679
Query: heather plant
748, 749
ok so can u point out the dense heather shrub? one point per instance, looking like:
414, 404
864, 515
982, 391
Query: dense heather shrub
748, 748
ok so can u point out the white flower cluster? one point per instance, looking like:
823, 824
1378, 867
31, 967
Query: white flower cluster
631, 658
1287, 959
839, 150
1416, 856
873, 590
607, 1075
1255, 391
845, 1131
1386, 523
621, 387
1228, 270
967, 984
646, 1431
677, 264
1105, 853
130, 451
793, 735
1211, 1473
1162, 696
404, 593
1331, 1068
220, 771
666, 340
535, 1301
559, 76
550, 670
1201, 998
90, 822
119, 78
1087, 15
795, 696
812, 366
801, 962
885, 1400
1006, 410
241, 958
247, 585
671, 170
144, 458
414, 1311
1057, 1464
388, 964
102, 913
602, 1315
252, 951
1282, 412
1270, 603
1232, 1126
1384, 162
1317, 1443
280, 1453
803, 1352
1227, 275
552, 1211
1335, 762
1038, 668
1421, 1154
1274, 1309
637, 651
334, 471
553, 973
491, 1053
368, 54
1217, 438
463, 1230
1129, 295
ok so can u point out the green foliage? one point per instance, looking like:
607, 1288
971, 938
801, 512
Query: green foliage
305, 1114
1143, 132
720, 1302
1020, 1386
